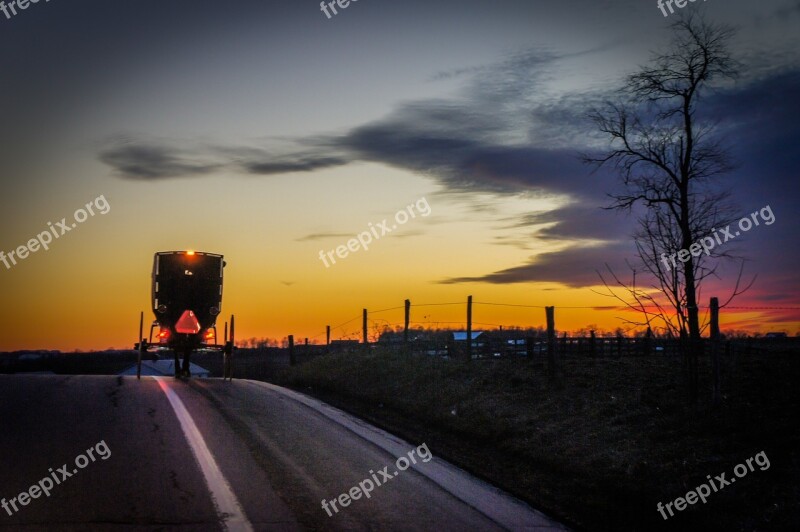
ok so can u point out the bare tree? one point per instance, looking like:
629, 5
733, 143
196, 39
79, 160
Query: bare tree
667, 158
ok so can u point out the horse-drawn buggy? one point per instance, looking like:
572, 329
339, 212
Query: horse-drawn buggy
186, 301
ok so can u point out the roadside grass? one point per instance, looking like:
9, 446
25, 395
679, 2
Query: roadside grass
600, 449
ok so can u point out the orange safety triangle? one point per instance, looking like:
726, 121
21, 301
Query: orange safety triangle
187, 324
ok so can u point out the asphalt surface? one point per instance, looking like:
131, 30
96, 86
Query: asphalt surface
162, 454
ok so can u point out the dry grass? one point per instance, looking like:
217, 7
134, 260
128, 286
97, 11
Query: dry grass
603, 448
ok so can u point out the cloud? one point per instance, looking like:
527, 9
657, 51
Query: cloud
576, 221
573, 267
147, 161
456, 73
506, 134
153, 159
463, 142
288, 164
409, 233
323, 236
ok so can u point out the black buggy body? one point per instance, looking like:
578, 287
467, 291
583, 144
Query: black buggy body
187, 295
186, 301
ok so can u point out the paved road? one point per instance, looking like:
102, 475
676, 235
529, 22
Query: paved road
162, 454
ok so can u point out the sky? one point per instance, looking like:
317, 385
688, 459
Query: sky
269, 133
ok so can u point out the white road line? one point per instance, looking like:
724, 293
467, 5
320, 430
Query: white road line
228, 508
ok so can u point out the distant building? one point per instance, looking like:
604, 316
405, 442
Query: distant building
457, 346
776, 335
165, 368
498, 343
461, 336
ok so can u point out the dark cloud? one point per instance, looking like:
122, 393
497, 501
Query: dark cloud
149, 162
764, 123
469, 164
297, 164
579, 221
790, 9
155, 160
574, 267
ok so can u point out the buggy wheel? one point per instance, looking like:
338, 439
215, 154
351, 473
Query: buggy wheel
177, 364
186, 371
226, 361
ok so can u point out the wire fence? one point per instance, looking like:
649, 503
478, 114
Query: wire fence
431, 328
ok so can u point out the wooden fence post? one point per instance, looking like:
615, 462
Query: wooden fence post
292, 360
405, 325
469, 328
327, 339
551, 340
364, 328
232, 349
715, 337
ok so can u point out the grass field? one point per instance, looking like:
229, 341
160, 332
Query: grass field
600, 451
